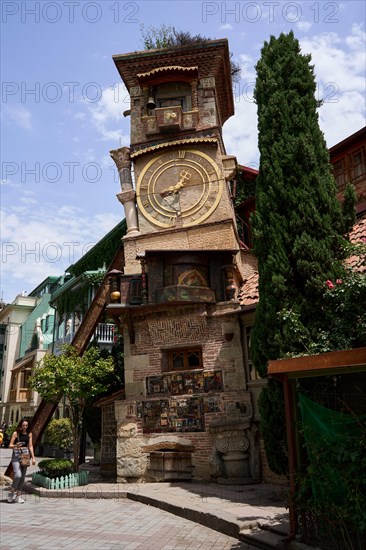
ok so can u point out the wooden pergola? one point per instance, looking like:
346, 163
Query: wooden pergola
288, 371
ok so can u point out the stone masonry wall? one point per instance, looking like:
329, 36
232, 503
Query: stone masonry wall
157, 334
203, 237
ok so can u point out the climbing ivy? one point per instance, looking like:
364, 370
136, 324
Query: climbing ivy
72, 300
102, 253
245, 188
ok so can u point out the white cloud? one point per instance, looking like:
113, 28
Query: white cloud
341, 119
240, 131
107, 114
19, 115
339, 60
226, 27
247, 71
339, 67
28, 200
340, 72
37, 242
303, 25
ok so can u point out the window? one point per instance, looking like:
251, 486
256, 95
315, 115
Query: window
173, 94
357, 165
185, 359
339, 172
135, 290
252, 373
13, 385
176, 102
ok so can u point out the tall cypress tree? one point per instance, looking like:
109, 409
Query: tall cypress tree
298, 222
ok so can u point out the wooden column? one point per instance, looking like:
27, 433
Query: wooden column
290, 414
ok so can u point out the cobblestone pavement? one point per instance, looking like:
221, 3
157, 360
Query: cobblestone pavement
103, 524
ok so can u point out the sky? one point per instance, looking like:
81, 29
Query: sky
62, 103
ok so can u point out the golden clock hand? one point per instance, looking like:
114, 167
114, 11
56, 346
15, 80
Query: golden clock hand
172, 190
184, 176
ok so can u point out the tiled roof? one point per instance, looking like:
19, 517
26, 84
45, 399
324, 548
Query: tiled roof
358, 233
358, 236
249, 294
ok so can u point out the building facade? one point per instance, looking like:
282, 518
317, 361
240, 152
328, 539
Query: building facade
187, 411
27, 325
348, 159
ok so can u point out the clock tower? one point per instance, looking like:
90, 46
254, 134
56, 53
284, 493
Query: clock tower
187, 412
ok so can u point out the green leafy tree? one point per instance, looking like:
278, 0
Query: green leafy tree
298, 222
59, 433
78, 378
348, 207
114, 381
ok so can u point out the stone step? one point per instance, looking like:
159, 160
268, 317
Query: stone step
262, 538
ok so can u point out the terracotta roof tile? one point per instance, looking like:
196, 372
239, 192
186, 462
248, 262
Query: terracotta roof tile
358, 233
248, 293
358, 236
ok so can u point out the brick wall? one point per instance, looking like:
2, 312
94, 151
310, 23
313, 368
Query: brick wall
180, 329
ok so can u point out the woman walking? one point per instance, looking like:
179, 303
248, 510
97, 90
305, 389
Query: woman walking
22, 445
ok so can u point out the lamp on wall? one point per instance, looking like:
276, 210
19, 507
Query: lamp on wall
114, 284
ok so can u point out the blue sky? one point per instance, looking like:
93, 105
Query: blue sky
62, 104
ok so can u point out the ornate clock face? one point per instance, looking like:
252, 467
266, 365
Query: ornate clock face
183, 185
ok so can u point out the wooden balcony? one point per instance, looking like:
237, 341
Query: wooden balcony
20, 395
104, 334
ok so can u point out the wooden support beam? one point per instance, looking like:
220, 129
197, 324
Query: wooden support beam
290, 414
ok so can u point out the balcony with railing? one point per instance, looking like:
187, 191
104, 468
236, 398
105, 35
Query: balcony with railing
20, 395
104, 334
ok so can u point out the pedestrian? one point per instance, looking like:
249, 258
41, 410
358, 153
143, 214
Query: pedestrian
1, 437
22, 445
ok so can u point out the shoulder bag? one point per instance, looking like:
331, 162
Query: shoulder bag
24, 458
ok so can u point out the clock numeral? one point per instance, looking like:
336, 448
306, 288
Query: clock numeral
160, 161
145, 203
181, 154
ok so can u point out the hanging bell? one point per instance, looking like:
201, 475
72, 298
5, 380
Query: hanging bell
151, 101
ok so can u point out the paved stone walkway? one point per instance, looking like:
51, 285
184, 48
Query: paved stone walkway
108, 515
81, 524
